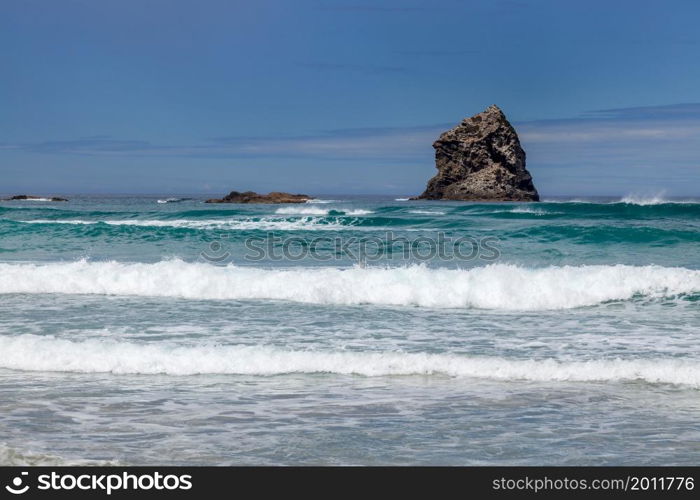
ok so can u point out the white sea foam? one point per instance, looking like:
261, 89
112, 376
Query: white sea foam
358, 211
401, 199
629, 200
522, 210
320, 201
301, 210
40, 353
262, 223
570, 200
294, 210
32, 199
496, 286
528, 210
426, 212
12, 457
172, 200
658, 199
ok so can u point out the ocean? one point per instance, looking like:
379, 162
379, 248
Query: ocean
144, 330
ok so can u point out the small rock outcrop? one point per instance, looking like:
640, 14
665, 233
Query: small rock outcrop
251, 197
30, 197
481, 160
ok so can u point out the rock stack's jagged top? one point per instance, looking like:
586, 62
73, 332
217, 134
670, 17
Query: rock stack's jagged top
481, 159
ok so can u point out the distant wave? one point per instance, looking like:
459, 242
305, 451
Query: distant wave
529, 210
31, 199
496, 286
173, 200
261, 223
301, 210
630, 199
402, 199
517, 211
320, 201
39, 353
357, 211
653, 200
638, 200
426, 212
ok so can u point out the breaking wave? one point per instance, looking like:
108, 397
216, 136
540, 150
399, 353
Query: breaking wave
426, 212
251, 223
30, 199
37, 353
529, 210
496, 286
320, 200
302, 210
173, 200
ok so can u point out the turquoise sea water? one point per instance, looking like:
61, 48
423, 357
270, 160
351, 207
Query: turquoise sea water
155, 330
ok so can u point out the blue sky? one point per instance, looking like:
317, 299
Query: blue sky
320, 96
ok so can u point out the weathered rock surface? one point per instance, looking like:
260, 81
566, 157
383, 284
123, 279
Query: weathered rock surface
30, 197
251, 197
481, 160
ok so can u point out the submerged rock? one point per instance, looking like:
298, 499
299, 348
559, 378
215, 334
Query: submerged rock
481, 160
251, 197
30, 197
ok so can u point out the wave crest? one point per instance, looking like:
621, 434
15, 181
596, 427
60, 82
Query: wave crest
301, 210
657, 199
241, 224
496, 286
37, 353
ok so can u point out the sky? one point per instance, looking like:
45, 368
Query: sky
343, 97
